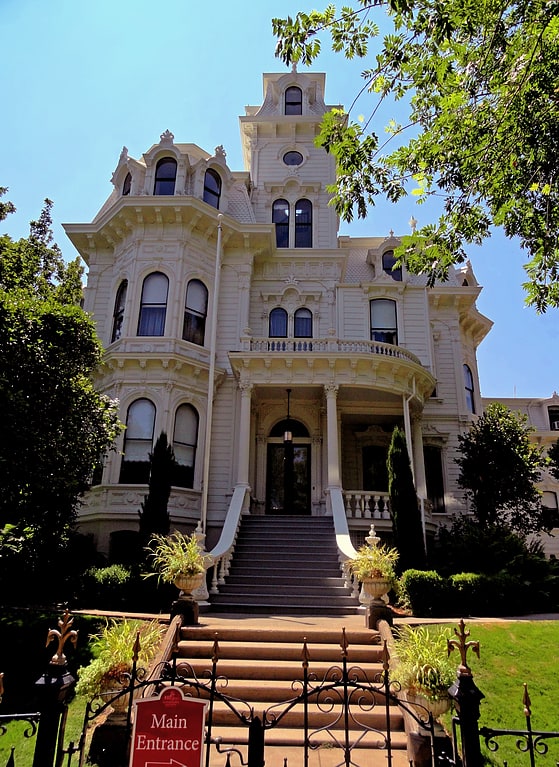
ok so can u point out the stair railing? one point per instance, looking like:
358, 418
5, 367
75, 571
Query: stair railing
346, 550
222, 553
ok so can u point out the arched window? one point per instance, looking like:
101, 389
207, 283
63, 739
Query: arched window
293, 101
118, 314
278, 323
185, 439
388, 261
138, 442
212, 188
165, 176
195, 311
384, 326
303, 323
303, 224
553, 415
280, 217
127, 185
469, 389
153, 307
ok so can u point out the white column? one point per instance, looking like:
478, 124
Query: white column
331, 392
244, 434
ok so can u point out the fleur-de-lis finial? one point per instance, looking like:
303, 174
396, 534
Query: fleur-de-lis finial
463, 646
65, 634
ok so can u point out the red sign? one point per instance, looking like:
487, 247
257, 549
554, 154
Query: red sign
168, 730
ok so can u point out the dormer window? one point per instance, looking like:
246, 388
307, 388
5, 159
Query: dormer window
212, 188
127, 185
553, 414
165, 176
293, 101
388, 261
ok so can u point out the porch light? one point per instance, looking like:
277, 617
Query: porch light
287, 434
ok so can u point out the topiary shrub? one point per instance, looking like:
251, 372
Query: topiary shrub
424, 592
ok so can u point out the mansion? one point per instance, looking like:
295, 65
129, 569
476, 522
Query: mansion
276, 355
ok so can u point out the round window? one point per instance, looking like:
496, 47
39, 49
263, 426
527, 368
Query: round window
293, 158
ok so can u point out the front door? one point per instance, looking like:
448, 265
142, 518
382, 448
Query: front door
288, 478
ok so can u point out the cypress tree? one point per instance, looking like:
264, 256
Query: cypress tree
154, 515
404, 506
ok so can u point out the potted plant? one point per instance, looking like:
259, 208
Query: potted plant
423, 668
178, 559
113, 649
374, 566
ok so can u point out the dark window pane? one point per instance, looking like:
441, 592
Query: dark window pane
388, 261
280, 217
303, 323
127, 184
293, 158
434, 478
165, 176
303, 224
212, 188
293, 101
118, 315
278, 323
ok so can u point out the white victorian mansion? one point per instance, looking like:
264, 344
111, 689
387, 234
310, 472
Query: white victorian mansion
277, 355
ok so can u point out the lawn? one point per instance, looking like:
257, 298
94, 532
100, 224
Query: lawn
511, 654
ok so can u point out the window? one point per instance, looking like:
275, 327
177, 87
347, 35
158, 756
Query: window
212, 188
165, 176
384, 326
293, 101
195, 311
127, 185
388, 261
280, 217
303, 224
434, 477
118, 314
293, 158
185, 440
278, 323
138, 441
553, 414
469, 389
303, 323
153, 306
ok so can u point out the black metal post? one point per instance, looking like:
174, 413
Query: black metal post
467, 698
255, 743
53, 689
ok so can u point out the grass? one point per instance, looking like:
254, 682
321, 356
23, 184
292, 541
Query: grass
511, 654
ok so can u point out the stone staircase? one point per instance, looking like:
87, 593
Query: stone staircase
257, 664
285, 565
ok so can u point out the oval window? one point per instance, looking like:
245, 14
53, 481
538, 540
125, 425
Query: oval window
293, 158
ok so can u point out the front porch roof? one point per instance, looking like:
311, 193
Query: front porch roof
353, 363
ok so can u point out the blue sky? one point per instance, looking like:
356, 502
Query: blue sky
81, 80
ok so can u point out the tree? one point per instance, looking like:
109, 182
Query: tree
499, 468
480, 81
154, 516
404, 508
55, 426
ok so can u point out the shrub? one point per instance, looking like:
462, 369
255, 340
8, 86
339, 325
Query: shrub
469, 594
424, 592
113, 648
106, 588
